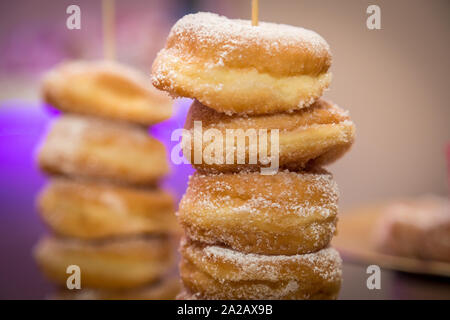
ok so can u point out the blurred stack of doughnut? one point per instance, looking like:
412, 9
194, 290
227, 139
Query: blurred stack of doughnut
106, 213
249, 234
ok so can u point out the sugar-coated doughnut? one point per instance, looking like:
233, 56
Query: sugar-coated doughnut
214, 272
286, 213
234, 67
113, 264
417, 228
90, 210
313, 136
105, 89
163, 289
101, 149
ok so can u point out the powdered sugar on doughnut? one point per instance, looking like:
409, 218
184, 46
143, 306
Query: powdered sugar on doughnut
235, 33
324, 263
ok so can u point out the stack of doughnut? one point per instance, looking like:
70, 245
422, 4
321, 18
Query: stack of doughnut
250, 235
103, 205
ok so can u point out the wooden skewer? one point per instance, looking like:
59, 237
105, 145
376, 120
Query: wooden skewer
255, 9
109, 46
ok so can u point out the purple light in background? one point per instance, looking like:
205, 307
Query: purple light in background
51, 111
21, 127
177, 181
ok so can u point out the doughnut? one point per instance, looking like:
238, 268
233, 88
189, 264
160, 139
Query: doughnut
416, 228
111, 264
286, 213
164, 289
215, 272
313, 136
234, 67
89, 210
86, 147
105, 89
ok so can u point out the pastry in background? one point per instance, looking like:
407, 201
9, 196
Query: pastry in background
103, 206
91, 148
417, 228
105, 89
107, 264
93, 210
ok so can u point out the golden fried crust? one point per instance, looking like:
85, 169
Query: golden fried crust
234, 67
214, 272
100, 149
105, 89
286, 213
89, 210
113, 264
164, 289
318, 135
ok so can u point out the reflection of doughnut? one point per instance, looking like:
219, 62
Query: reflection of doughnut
232, 66
313, 136
112, 264
164, 289
105, 89
418, 228
214, 272
286, 213
95, 210
99, 149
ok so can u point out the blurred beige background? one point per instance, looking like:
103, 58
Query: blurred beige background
394, 81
